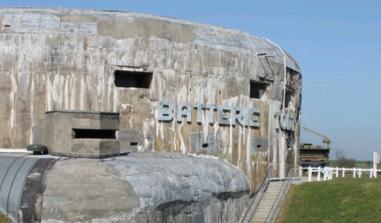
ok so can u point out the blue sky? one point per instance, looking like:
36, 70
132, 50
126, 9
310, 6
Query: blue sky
337, 44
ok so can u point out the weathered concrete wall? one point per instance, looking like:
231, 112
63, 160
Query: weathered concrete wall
65, 60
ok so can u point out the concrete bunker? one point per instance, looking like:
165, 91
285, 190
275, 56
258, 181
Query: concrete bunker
101, 84
79, 134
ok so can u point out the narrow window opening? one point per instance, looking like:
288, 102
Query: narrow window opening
257, 89
133, 143
258, 146
132, 79
94, 134
288, 99
205, 145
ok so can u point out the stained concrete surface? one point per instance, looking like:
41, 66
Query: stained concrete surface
145, 187
62, 59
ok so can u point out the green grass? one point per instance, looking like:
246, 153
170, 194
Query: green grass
339, 200
3, 219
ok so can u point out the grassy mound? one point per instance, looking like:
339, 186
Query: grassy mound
4, 219
339, 200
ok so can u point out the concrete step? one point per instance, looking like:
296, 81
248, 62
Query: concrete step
265, 201
272, 198
261, 214
266, 204
270, 195
277, 187
259, 217
270, 192
264, 209
259, 220
273, 189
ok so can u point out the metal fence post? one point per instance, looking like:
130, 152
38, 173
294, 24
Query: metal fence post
318, 174
324, 174
300, 171
331, 173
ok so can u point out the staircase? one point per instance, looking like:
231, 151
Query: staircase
269, 198
268, 201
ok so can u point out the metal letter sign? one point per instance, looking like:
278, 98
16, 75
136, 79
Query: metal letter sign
226, 115
184, 111
165, 112
286, 121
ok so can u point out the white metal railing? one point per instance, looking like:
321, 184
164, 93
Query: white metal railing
327, 173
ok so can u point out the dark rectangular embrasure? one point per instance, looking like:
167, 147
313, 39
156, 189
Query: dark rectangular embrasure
132, 79
257, 89
94, 134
